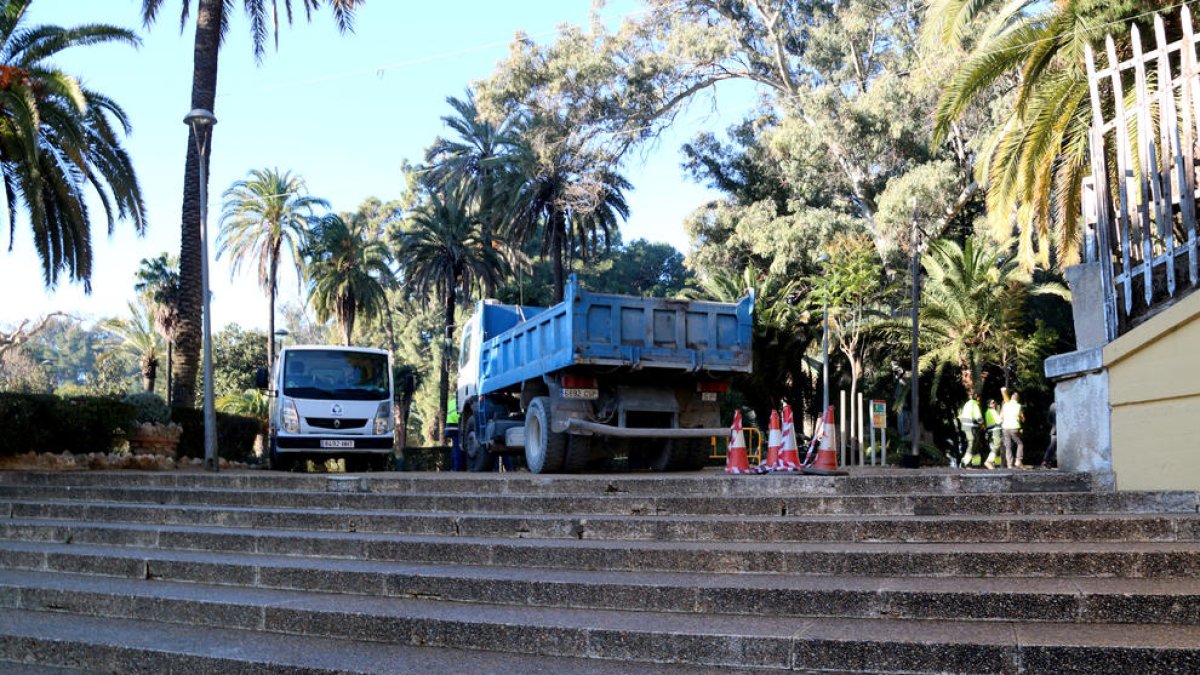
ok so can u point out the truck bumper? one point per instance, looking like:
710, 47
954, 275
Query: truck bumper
361, 443
596, 429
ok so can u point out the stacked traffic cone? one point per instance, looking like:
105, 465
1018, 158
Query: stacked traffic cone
735, 459
774, 444
789, 455
826, 463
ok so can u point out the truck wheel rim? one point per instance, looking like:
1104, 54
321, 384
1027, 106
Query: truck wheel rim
534, 453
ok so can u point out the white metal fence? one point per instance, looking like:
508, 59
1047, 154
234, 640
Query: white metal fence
1139, 206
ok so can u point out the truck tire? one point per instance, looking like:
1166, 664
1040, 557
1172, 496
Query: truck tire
478, 457
679, 454
545, 451
281, 462
579, 454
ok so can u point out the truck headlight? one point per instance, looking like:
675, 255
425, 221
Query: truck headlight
288, 417
383, 418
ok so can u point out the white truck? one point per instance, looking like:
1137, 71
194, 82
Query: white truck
329, 401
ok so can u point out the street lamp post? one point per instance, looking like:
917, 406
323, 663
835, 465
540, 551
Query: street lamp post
822, 259
281, 334
913, 459
201, 121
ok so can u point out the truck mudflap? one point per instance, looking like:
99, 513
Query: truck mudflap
597, 429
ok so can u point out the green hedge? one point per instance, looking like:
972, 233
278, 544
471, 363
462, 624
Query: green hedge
235, 434
46, 423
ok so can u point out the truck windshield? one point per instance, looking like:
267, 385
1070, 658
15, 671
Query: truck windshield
332, 374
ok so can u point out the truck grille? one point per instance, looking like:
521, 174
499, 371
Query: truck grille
335, 422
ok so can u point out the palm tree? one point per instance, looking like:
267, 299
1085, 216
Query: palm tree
347, 273
972, 309
563, 192
442, 252
1036, 161
264, 216
139, 340
473, 164
158, 284
212, 19
782, 336
57, 138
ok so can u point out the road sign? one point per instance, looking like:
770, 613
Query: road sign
878, 414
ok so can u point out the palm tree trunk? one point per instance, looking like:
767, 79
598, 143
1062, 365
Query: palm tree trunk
149, 374
444, 375
272, 284
557, 221
204, 90
485, 228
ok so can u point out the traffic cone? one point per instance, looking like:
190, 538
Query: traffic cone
735, 459
774, 442
826, 462
789, 455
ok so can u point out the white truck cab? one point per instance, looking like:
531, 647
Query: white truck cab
330, 401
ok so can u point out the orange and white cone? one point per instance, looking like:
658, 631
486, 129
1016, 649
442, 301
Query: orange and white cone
774, 443
789, 455
826, 463
735, 459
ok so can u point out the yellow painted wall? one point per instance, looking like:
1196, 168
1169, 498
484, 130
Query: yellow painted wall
1154, 390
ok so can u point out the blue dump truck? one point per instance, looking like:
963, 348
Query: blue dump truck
598, 376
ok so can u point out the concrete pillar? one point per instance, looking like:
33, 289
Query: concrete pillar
1084, 414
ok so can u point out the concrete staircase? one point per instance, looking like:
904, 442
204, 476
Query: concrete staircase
883, 571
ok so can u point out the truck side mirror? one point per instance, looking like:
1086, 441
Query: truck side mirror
409, 385
260, 378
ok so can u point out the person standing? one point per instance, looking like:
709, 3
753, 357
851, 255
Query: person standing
1011, 417
971, 419
991, 418
1050, 457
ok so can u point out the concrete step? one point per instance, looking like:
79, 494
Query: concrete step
29, 639
1062, 600
710, 482
992, 528
982, 503
1037, 559
713, 640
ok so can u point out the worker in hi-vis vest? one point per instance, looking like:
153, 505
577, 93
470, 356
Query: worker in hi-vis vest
991, 418
971, 419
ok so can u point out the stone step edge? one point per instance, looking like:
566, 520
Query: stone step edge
831, 518
1078, 600
706, 641
138, 646
71, 529
819, 546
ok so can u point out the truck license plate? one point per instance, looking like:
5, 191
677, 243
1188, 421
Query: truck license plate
708, 396
337, 444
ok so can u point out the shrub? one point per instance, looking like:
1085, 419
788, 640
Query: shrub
27, 422
148, 407
46, 423
235, 434
89, 424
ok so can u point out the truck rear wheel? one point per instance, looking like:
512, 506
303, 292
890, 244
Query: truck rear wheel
579, 454
478, 457
545, 451
680, 454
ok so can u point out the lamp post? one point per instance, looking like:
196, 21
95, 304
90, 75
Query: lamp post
201, 121
822, 259
914, 454
281, 334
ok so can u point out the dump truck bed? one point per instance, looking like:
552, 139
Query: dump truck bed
618, 331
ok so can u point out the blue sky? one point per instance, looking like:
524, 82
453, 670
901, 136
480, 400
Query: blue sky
343, 112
